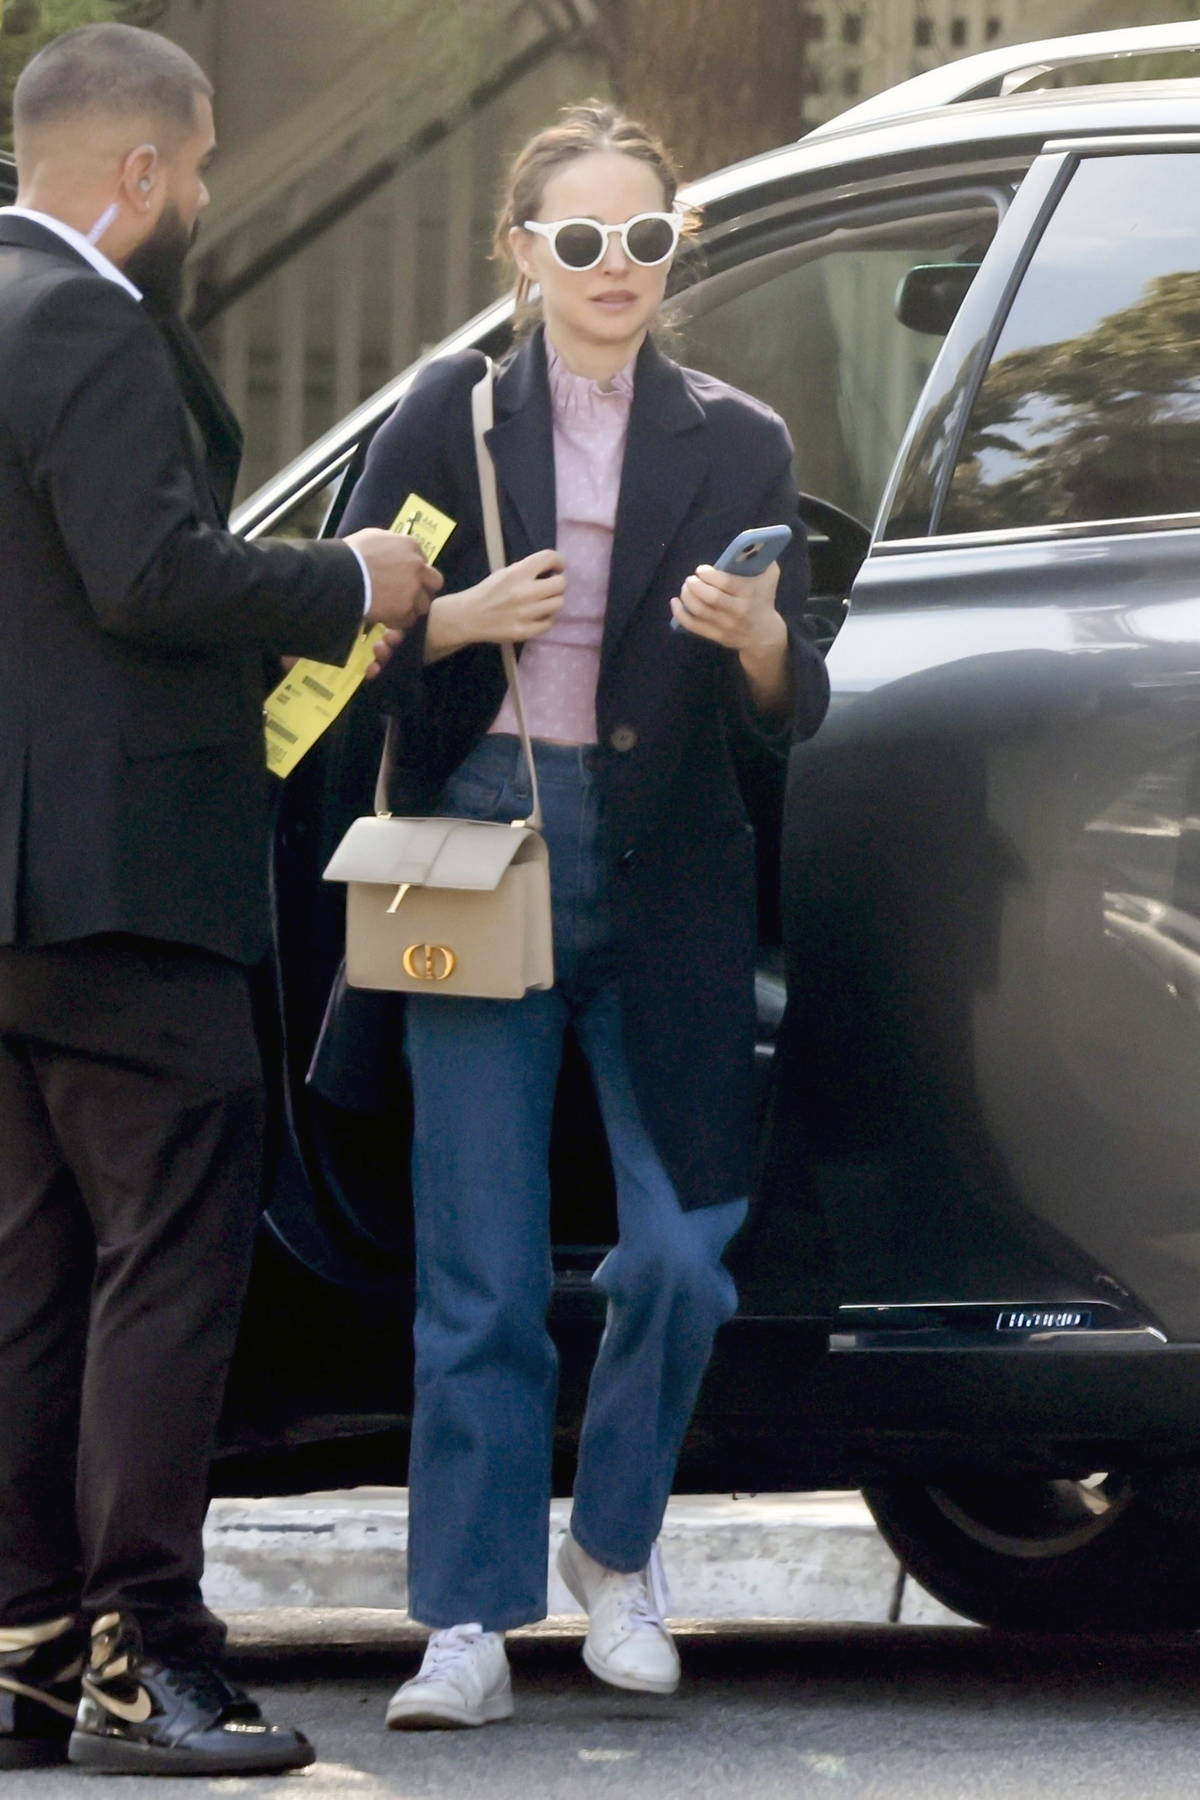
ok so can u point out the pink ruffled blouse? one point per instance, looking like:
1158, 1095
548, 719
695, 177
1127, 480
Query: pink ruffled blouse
559, 670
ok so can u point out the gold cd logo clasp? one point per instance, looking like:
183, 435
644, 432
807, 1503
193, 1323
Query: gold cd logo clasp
429, 962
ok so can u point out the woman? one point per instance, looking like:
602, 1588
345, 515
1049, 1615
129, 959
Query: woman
622, 476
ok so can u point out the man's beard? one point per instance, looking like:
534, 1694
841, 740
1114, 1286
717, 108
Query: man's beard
156, 267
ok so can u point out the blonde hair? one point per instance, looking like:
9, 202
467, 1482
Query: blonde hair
586, 127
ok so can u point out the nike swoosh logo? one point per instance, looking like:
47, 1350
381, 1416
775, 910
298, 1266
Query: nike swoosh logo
134, 1712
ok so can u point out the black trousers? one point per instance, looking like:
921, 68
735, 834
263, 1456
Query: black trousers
131, 1119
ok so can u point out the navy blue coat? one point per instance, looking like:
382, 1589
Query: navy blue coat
702, 462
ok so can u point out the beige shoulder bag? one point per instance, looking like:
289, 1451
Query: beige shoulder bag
451, 906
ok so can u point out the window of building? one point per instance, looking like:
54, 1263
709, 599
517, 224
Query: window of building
958, 32
993, 28
851, 82
1090, 408
812, 25
852, 28
813, 81
922, 33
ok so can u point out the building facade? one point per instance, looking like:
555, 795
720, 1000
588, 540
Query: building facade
360, 149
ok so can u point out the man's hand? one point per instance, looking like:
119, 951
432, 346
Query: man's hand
402, 582
383, 651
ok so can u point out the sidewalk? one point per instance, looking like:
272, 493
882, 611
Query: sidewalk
770, 1556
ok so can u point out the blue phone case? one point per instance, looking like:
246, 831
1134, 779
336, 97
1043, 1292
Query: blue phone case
750, 552
753, 551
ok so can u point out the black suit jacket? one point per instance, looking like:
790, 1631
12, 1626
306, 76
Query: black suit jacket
133, 626
702, 462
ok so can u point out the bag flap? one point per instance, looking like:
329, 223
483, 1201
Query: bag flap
436, 853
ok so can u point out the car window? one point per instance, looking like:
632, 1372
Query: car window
306, 513
814, 329
1090, 407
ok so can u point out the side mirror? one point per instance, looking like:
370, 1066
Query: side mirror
930, 295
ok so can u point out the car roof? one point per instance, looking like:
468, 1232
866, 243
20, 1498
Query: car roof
982, 125
1008, 67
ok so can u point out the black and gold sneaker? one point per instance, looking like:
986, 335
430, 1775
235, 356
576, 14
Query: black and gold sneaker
40, 1667
142, 1716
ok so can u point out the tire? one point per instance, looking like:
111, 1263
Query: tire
1115, 1552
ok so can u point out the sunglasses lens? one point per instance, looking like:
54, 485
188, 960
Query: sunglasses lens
579, 245
650, 240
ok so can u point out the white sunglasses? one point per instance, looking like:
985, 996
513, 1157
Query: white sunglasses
648, 238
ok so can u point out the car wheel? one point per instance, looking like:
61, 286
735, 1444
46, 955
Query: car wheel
1115, 1551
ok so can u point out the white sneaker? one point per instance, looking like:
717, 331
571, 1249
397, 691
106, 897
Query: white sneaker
627, 1644
463, 1680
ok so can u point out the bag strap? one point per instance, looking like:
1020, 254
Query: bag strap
482, 415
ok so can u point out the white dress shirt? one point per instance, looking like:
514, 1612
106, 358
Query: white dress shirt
81, 245
96, 257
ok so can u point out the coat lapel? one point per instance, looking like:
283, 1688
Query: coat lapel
218, 427
522, 446
666, 460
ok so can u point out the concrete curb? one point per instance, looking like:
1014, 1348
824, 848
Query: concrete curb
768, 1556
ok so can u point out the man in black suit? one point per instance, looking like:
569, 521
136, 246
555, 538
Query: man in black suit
134, 634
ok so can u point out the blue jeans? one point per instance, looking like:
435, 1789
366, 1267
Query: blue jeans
484, 1077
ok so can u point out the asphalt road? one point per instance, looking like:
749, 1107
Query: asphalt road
786, 1713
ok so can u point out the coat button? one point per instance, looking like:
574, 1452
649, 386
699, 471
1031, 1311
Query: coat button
623, 737
627, 859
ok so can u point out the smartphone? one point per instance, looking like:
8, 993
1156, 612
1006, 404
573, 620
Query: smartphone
750, 552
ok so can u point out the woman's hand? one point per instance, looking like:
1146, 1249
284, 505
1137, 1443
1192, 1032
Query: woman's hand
735, 611
738, 612
509, 607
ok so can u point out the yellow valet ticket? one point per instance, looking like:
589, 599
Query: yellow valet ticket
312, 694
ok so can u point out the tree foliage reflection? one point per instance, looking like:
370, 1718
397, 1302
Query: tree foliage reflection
1105, 425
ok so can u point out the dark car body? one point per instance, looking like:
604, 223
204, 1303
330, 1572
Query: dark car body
971, 1277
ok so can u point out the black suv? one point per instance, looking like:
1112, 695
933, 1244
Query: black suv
971, 1278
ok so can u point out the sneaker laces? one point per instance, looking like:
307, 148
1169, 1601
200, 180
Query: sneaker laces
447, 1648
646, 1598
205, 1685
